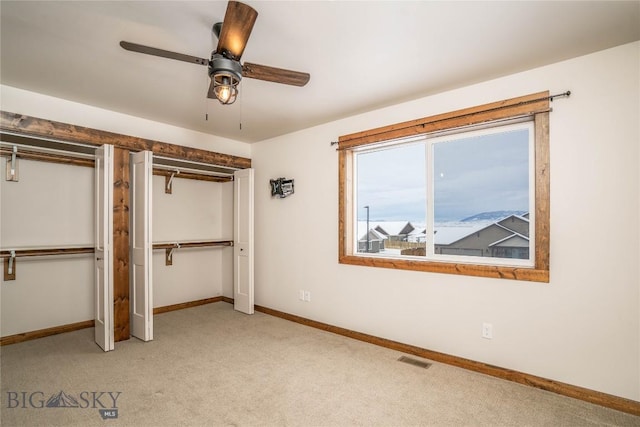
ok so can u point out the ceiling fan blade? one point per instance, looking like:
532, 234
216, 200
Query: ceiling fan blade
276, 75
133, 47
236, 28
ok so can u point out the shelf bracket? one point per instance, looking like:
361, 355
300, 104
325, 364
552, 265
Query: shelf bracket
10, 267
169, 254
168, 182
12, 165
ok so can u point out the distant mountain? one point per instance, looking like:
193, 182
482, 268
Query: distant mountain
62, 400
492, 216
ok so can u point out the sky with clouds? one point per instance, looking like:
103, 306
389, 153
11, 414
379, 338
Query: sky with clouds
481, 173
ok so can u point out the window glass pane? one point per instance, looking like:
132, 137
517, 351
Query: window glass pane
481, 195
391, 194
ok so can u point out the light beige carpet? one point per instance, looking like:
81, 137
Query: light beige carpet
211, 366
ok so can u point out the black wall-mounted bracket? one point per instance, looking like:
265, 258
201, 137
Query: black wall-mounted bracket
281, 187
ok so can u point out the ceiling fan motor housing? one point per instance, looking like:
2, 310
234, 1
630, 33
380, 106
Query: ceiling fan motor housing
221, 65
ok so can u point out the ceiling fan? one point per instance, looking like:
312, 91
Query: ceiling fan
224, 66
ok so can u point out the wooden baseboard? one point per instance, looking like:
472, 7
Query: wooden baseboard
26, 336
584, 394
183, 305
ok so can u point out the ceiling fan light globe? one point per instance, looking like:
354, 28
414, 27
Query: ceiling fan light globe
225, 86
226, 94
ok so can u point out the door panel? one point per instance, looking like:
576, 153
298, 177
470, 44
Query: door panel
141, 246
243, 241
104, 248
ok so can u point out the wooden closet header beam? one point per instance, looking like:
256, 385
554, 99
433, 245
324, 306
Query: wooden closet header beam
42, 128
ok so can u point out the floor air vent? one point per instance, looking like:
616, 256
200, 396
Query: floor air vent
414, 362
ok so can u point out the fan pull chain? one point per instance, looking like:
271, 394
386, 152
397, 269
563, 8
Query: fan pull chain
206, 102
241, 104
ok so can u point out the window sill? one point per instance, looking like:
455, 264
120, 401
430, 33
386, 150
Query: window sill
513, 273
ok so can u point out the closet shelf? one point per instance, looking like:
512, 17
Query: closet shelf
55, 153
48, 157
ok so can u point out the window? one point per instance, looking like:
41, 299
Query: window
464, 192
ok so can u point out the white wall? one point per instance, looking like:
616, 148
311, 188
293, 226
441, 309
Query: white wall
582, 328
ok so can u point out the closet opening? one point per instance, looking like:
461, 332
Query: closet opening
192, 205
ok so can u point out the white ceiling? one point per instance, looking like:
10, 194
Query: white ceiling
361, 55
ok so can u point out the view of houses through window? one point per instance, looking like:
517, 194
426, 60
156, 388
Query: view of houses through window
458, 196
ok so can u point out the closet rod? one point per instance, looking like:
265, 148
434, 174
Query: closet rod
10, 256
170, 247
170, 160
203, 244
59, 150
7, 253
187, 175
184, 172
50, 157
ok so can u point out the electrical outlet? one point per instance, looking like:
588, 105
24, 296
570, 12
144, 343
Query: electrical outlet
307, 296
301, 295
487, 331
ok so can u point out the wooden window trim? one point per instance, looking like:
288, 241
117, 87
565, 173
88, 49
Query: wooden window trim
535, 105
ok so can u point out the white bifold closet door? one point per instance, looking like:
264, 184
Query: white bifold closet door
243, 241
104, 248
141, 246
